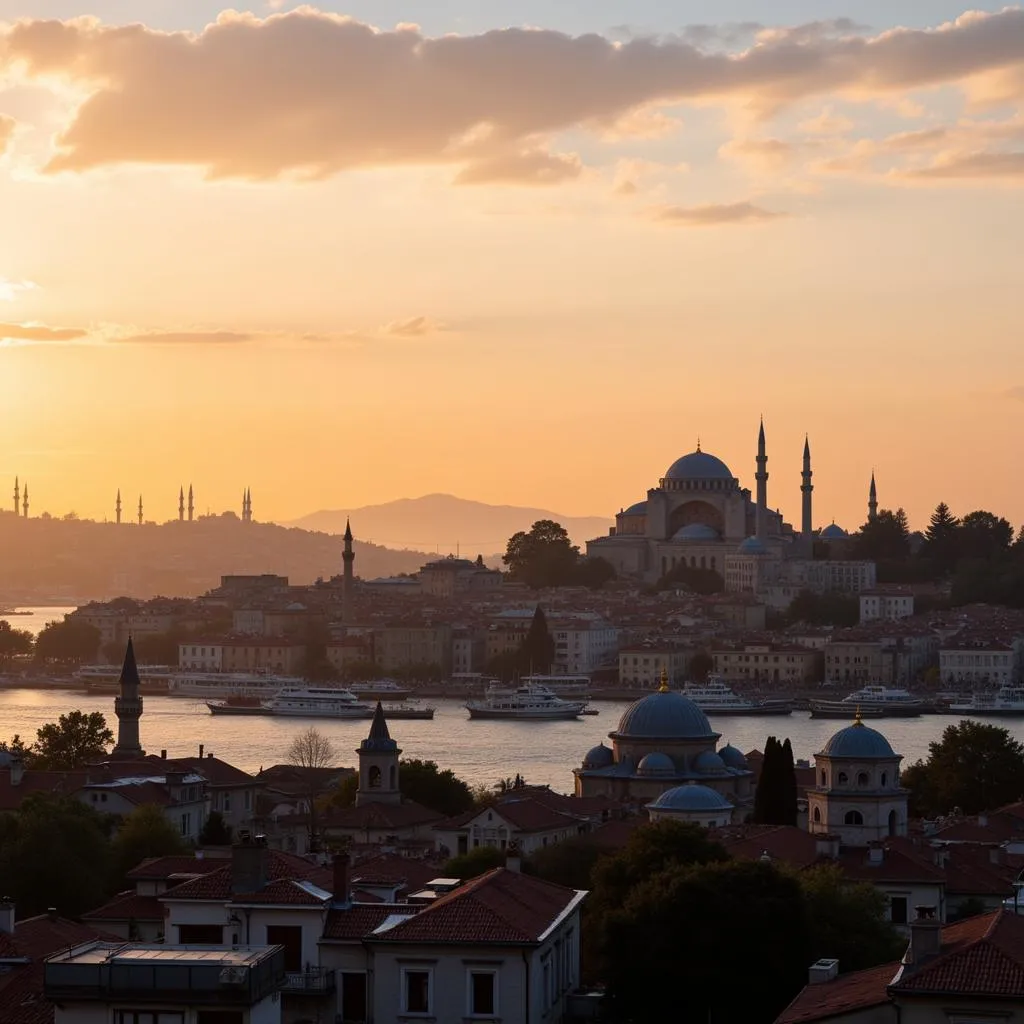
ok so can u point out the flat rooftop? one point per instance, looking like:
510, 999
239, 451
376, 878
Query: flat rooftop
135, 953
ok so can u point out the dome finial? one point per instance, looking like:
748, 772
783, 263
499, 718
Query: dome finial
698, 442
663, 688
857, 720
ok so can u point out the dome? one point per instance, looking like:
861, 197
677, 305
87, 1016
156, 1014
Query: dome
708, 761
833, 532
599, 757
656, 763
732, 757
638, 509
752, 546
664, 715
696, 532
858, 741
691, 797
698, 465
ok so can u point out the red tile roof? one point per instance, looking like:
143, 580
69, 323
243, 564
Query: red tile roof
218, 772
388, 869
284, 891
898, 864
352, 924
380, 816
859, 990
217, 884
162, 868
130, 907
33, 781
785, 843
500, 906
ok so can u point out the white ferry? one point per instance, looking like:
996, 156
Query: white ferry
317, 702
874, 702
1007, 700
221, 685
524, 702
715, 698
107, 677
562, 686
381, 689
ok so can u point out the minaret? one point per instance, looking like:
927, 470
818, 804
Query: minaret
348, 558
24, 501
17, 498
378, 765
762, 485
117, 507
128, 708
140, 510
872, 500
181, 505
807, 520
191, 504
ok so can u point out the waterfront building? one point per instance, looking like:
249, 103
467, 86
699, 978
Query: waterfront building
199, 655
584, 643
282, 655
644, 664
406, 645
767, 663
886, 603
468, 651
979, 658
888, 653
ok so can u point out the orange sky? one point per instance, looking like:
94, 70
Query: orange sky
341, 264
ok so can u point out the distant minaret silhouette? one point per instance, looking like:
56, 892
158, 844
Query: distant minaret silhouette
140, 510
181, 505
762, 485
872, 500
807, 520
117, 507
17, 498
348, 558
128, 708
24, 501
191, 504
247, 506
249, 496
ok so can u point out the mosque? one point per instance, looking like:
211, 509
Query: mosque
700, 515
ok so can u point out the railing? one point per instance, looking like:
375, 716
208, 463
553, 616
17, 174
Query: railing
312, 981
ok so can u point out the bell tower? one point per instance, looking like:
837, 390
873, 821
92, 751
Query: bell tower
378, 765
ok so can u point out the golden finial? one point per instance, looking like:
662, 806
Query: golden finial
698, 442
663, 688
857, 719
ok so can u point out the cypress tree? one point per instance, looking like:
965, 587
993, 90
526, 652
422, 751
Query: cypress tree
788, 791
766, 797
538, 649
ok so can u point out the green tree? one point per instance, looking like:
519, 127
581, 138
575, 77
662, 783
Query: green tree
942, 538
984, 535
702, 664
593, 573
538, 648
692, 578
788, 789
830, 609
570, 863
544, 557
426, 784
73, 741
887, 536
768, 798
156, 648
14, 642
146, 832
975, 766
54, 853
215, 831
69, 642
476, 862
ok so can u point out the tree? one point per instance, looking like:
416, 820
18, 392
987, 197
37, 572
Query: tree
215, 831
54, 853
69, 642
693, 578
702, 664
941, 538
593, 573
887, 536
767, 797
544, 557
975, 767
156, 648
570, 863
984, 535
311, 749
476, 862
146, 832
831, 609
73, 741
538, 648
442, 791
13, 642
788, 789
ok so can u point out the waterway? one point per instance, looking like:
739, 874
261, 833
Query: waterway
33, 619
479, 751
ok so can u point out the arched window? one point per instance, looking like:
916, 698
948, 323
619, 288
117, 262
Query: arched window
893, 823
712, 561
862, 778
843, 778
885, 779
853, 818
824, 778
702, 565
374, 777
391, 778
817, 815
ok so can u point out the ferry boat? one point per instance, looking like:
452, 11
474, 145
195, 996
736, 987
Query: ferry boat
315, 703
380, 689
561, 686
715, 698
222, 685
524, 702
108, 677
873, 702
1007, 700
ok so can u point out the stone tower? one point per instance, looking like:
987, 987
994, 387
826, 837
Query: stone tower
117, 508
806, 487
378, 765
348, 559
872, 500
128, 708
762, 485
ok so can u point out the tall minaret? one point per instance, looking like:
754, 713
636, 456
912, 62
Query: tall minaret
128, 708
248, 504
181, 504
762, 485
807, 520
872, 500
140, 510
17, 498
24, 501
348, 558
117, 507
191, 504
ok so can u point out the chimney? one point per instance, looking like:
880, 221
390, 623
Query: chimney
826, 845
876, 854
249, 864
201, 749
821, 971
17, 770
7, 917
163, 755
51, 913
997, 855
513, 862
983, 820
340, 866
925, 936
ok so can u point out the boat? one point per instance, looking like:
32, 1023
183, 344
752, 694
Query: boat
243, 706
561, 686
408, 710
316, 702
223, 685
715, 698
1007, 700
107, 678
536, 703
873, 702
230, 707
380, 689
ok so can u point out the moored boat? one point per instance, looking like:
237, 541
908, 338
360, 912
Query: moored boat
230, 707
873, 702
380, 689
536, 703
1007, 701
316, 702
715, 698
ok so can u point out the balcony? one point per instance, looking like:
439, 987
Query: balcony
314, 981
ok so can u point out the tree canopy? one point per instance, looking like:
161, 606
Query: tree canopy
440, 790
311, 749
829, 609
775, 798
70, 642
538, 649
73, 741
215, 831
693, 578
887, 536
14, 642
146, 832
974, 766
476, 862
546, 557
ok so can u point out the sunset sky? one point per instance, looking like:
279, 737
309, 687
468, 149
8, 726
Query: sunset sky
520, 252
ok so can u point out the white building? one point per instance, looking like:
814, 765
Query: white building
201, 656
885, 604
981, 660
583, 644
644, 664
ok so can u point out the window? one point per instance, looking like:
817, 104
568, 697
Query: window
147, 1017
853, 818
817, 814
353, 998
843, 778
483, 993
374, 777
289, 936
200, 934
186, 820
862, 778
884, 778
898, 909
416, 991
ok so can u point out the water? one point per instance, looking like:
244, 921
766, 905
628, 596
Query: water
481, 751
36, 618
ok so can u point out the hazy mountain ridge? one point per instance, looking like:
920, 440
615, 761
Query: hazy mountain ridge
444, 523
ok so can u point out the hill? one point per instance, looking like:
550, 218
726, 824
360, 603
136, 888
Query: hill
442, 523
57, 560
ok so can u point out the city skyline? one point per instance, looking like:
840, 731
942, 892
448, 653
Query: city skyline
377, 286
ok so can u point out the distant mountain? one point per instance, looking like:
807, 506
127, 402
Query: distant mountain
444, 523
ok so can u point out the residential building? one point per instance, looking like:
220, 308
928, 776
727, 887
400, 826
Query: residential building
583, 644
888, 603
768, 663
271, 654
201, 655
889, 653
507, 631
449, 576
230, 791
644, 664
826, 576
400, 647
349, 651
469, 651
970, 659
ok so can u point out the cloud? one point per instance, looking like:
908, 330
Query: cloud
759, 154
413, 327
40, 332
10, 290
1007, 166
714, 213
185, 338
1015, 393
309, 93
7, 126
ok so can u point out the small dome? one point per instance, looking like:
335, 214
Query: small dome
664, 715
858, 741
598, 757
708, 761
752, 546
833, 532
696, 532
698, 465
732, 757
639, 509
656, 763
691, 797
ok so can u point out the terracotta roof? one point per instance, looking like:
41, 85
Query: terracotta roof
500, 906
858, 990
218, 772
286, 891
162, 868
217, 884
897, 865
614, 834
33, 781
388, 869
295, 780
380, 816
785, 843
128, 907
351, 924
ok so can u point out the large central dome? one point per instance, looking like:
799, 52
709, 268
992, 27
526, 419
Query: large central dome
699, 465
664, 716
